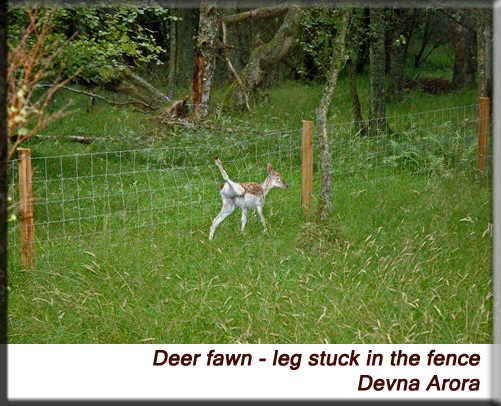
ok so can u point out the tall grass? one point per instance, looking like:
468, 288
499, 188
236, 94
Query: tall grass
403, 263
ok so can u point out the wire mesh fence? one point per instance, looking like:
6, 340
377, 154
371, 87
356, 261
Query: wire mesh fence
432, 142
110, 198
153, 193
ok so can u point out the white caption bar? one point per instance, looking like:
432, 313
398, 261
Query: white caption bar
269, 371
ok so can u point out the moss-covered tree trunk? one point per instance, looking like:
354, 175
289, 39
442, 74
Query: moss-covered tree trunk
377, 57
205, 62
337, 62
262, 59
136, 87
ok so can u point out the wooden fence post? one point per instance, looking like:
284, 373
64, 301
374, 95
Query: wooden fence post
483, 135
26, 219
307, 167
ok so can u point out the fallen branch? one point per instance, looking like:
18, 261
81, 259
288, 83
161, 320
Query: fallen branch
73, 138
143, 88
96, 96
83, 139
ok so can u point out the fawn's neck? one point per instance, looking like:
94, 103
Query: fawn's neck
266, 185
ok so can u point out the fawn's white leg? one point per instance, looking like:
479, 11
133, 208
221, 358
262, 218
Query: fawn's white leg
228, 207
260, 211
244, 218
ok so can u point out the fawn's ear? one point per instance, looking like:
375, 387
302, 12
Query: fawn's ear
270, 169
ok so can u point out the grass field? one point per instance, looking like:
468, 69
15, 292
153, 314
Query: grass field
122, 226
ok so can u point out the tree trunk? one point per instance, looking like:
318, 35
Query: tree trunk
187, 30
464, 43
397, 72
484, 45
363, 50
397, 57
262, 59
424, 42
230, 52
264, 12
337, 63
377, 71
205, 62
358, 119
173, 53
414, 18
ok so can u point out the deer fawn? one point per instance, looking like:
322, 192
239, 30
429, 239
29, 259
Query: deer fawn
247, 195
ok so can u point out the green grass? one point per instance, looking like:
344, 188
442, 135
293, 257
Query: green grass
406, 257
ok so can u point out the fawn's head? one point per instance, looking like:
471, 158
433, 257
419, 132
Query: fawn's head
276, 179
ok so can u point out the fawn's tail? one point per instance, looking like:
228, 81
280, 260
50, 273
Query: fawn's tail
221, 169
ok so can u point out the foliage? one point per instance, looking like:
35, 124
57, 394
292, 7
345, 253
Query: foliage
107, 40
317, 39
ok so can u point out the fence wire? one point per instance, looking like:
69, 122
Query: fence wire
160, 194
